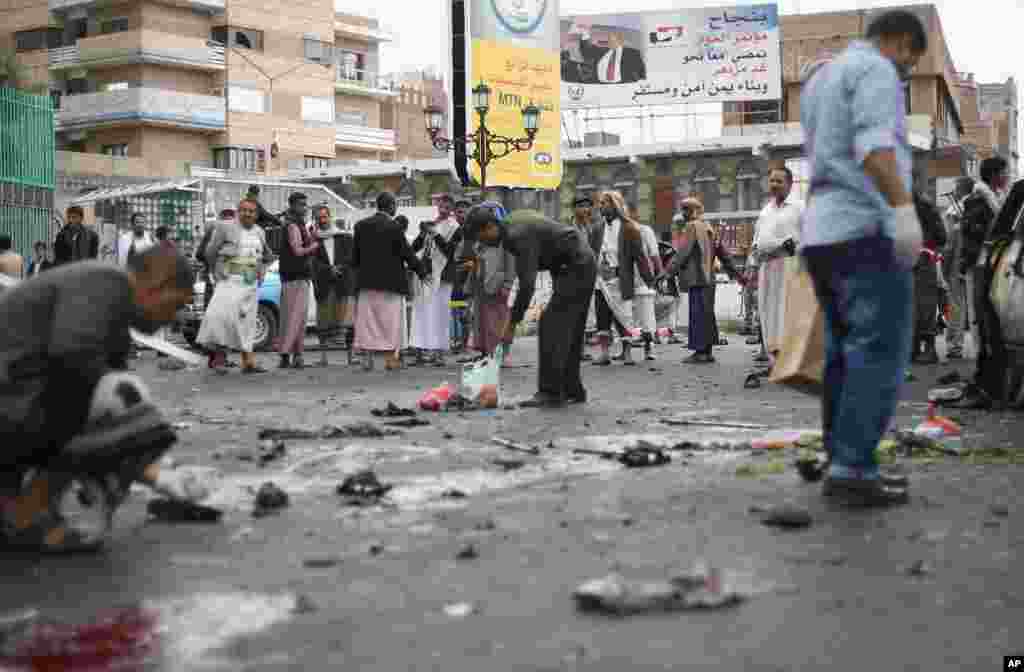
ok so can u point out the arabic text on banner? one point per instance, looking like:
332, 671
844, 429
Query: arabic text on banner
518, 76
682, 56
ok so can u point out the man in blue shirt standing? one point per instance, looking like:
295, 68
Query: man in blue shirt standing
860, 240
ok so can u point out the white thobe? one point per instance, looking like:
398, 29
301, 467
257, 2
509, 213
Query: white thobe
775, 225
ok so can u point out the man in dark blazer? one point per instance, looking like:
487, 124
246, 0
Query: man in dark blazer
616, 63
75, 241
332, 280
380, 256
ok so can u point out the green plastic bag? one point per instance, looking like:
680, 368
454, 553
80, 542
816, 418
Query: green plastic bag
481, 376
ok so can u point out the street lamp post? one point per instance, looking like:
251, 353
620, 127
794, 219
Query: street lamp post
487, 145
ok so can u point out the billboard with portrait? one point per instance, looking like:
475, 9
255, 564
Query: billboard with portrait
512, 46
678, 56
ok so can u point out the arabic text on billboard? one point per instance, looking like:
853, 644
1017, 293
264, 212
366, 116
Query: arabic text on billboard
682, 56
515, 52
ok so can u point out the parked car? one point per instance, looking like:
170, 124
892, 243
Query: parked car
268, 320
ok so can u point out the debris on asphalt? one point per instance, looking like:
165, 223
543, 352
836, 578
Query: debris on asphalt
644, 455
321, 561
512, 445
358, 430
459, 610
787, 516
453, 493
448, 436
363, 488
376, 549
408, 423
190, 483
304, 604
756, 470
270, 451
683, 422
181, 511
435, 399
999, 510
182, 426
812, 466
919, 569
615, 595
393, 411
171, 365
507, 464
486, 526
269, 498
946, 395
467, 552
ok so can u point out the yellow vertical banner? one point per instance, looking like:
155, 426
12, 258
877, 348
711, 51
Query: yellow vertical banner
514, 50
517, 77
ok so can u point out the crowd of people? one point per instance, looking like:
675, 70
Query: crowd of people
884, 265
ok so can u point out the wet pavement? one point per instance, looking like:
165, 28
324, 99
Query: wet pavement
386, 583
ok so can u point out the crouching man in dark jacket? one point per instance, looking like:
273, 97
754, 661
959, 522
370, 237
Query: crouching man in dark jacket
65, 338
542, 244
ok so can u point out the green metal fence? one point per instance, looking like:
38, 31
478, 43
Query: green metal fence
27, 172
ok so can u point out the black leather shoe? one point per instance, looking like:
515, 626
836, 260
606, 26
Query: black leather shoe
543, 402
864, 493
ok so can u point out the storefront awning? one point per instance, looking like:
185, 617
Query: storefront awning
113, 193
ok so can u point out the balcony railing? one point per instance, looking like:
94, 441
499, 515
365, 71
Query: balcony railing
139, 47
365, 138
364, 81
58, 6
159, 106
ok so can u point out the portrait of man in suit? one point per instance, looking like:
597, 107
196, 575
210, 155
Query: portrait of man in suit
588, 62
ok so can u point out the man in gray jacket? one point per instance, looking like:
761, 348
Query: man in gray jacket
65, 336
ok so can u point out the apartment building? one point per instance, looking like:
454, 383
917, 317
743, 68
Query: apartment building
933, 102
239, 85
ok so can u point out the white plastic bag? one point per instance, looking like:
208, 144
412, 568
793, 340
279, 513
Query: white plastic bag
481, 381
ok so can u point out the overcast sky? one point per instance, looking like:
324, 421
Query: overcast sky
982, 34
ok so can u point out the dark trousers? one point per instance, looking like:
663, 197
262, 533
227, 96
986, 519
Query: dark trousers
990, 370
562, 327
868, 306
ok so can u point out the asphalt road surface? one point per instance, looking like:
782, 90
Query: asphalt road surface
934, 585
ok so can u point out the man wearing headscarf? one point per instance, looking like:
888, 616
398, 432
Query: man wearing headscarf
622, 268
437, 243
237, 255
332, 280
693, 268
542, 244
775, 243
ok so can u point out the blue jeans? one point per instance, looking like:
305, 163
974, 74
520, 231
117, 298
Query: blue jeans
457, 324
868, 304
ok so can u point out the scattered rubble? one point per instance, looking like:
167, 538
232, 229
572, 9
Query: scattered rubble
270, 451
467, 552
393, 411
363, 489
618, 596
321, 561
507, 464
787, 516
999, 510
459, 610
644, 455
919, 569
304, 604
453, 493
181, 511
269, 498
357, 430
408, 423
171, 364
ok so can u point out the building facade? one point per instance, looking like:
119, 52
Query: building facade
238, 85
932, 101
